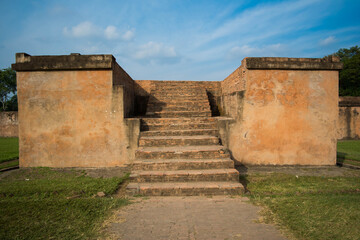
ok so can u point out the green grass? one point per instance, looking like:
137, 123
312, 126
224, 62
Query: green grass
9, 149
41, 203
13, 163
349, 150
308, 207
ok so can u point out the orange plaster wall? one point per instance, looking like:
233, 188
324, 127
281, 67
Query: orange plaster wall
289, 118
70, 119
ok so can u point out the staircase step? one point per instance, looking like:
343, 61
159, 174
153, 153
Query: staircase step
187, 126
179, 114
164, 141
179, 107
186, 175
192, 132
185, 188
179, 103
204, 152
160, 121
181, 164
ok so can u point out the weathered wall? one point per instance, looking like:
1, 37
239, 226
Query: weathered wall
9, 124
349, 118
287, 113
72, 117
120, 77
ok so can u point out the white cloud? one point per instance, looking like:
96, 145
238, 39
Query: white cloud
88, 29
154, 50
84, 29
111, 32
128, 35
248, 51
328, 41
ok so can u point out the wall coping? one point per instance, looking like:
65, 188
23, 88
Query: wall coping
74, 61
348, 101
284, 63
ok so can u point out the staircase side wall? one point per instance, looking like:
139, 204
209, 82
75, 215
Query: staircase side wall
71, 117
286, 114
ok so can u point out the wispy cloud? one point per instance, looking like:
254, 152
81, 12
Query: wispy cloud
156, 52
88, 29
327, 41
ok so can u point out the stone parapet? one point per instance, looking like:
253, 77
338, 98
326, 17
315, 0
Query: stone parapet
284, 63
26, 62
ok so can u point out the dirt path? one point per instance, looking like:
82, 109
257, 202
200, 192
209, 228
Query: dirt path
220, 217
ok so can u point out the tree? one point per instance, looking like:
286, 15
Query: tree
350, 75
8, 96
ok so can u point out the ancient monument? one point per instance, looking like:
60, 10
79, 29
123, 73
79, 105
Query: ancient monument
180, 137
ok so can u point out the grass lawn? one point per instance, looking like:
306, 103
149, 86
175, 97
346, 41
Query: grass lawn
308, 207
9, 149
348, 152
40, 203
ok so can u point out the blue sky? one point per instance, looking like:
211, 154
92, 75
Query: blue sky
178, 39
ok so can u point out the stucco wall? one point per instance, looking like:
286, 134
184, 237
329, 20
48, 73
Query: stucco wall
349, 118
73, 117
283, 117
9, 124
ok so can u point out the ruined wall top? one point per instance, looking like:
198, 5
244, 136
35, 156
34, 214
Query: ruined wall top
283, 63
74, 61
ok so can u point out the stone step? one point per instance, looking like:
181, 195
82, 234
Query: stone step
179, 107
164, 141
186, 126
201, 175
178, 114
183, 152
192, 132
181, 164
185, 188
177, 103
152, 121
177, 98
178, 92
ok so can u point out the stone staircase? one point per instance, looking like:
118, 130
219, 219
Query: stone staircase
179, 150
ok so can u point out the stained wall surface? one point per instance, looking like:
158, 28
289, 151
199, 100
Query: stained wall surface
349, 118
72, 117
9, 124
284, 117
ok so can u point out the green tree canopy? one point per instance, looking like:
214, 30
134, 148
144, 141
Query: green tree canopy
8, 97
350, 75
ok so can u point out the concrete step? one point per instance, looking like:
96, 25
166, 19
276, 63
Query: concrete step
183, 152
186, 175
185, 188
165, 141
178, 114
186, 126
181, 164
192, 132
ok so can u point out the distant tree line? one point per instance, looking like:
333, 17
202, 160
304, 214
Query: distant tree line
349, 78
8, 92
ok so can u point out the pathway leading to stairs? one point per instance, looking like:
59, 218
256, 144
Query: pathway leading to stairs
200, 218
